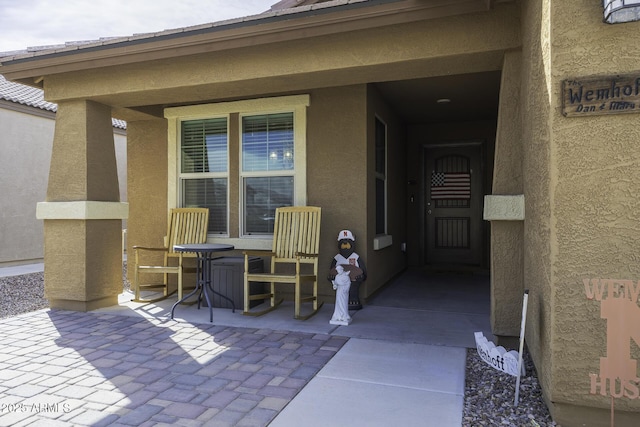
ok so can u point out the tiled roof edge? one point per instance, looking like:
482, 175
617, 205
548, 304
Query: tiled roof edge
34, 98
69, 48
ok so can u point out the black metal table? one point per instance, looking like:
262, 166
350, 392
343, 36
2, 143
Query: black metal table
205, 253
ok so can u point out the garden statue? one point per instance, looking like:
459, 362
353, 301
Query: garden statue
350, 261
341, 285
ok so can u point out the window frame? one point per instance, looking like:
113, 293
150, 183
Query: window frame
381, 176
296, 104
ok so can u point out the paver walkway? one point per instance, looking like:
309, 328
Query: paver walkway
95, 369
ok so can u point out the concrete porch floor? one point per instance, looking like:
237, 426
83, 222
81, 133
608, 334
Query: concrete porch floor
417, 307
401, 360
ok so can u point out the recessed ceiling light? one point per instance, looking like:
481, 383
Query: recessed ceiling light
443, 101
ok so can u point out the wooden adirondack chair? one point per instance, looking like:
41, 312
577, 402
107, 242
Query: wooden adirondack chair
296, 241
186, 225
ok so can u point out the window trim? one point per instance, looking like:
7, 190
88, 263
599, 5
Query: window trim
297, 104
382, 240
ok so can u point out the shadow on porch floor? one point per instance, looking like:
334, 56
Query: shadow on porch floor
417, 307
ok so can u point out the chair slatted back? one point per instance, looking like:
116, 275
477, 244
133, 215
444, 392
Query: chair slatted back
296, 229
187, 225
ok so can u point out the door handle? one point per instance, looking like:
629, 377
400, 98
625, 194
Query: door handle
429, 212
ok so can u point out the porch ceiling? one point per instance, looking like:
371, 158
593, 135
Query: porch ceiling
472, 97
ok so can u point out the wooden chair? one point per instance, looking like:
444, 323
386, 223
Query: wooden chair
296, 241
186, 225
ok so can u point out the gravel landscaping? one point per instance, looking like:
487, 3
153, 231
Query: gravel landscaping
489, 394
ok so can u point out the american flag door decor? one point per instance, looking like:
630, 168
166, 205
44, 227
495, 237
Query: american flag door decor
450, 185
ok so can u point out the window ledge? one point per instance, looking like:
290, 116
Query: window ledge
382, 241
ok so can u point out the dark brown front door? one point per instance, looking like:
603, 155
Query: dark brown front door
453, 205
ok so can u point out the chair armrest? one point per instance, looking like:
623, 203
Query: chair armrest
147, 248
258, 253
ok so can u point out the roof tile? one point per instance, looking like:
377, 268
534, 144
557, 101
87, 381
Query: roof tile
34, 97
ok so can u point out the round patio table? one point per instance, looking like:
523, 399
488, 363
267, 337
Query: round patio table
204, 252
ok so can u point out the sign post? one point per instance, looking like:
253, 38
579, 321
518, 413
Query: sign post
525, 301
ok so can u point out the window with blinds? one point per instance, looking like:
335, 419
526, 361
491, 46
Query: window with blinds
203, 169
381, 176
267, 169
241, 159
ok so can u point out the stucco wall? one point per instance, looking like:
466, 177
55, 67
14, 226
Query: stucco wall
26, 151
27, 138
147, 185
580, 184
336, 170
507, 237
535, 112
594, 203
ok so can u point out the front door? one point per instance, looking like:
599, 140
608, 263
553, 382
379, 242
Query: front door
453, 205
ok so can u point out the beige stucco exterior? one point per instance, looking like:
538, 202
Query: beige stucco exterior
570, 208
593, 194
26, 145
579, 181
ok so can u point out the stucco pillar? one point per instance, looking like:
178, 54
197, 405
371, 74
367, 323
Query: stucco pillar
507, 226
83, 214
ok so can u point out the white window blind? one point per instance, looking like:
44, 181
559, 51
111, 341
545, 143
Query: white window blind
204, 146
268, 168
203, 169
267, 142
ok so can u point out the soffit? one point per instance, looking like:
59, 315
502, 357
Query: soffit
324, 18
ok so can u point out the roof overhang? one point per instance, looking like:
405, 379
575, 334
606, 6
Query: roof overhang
333, 17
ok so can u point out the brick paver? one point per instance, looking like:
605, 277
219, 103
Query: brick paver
68, 368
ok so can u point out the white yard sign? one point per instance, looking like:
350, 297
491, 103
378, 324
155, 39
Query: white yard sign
499, 358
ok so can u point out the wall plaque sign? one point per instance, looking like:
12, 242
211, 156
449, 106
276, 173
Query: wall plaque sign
603, 95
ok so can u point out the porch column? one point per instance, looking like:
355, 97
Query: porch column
82, 213
507, 225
